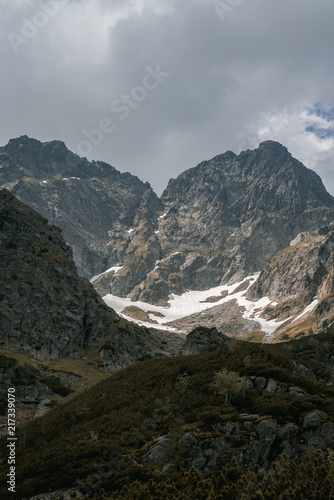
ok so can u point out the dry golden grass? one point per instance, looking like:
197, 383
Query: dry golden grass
255, 336
89, 375
303, 328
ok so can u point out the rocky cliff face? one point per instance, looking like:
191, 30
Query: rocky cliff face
252, 441
47, 309
45, 305
92, 202
299, 281
225, 219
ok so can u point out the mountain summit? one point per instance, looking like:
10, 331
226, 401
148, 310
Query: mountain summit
224, 219
86, 199
267, 179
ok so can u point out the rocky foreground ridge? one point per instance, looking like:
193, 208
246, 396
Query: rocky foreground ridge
147, 428
47, 309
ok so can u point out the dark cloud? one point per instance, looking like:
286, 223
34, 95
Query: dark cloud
236, 75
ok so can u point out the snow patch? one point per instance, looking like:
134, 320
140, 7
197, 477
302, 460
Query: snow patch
130, 230
156, 266
162, 216
114, 268
190, 302
149, 325
307, 309
253, 311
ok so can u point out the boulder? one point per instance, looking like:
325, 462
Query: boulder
313, 419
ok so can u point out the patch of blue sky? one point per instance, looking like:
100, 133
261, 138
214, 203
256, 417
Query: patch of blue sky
322, 133
318, 109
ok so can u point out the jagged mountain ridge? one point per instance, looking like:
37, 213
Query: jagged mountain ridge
216, 224
88, 200
226, 218
256, 179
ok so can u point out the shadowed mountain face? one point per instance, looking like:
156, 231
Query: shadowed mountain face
47, 309
216, 223
45, 305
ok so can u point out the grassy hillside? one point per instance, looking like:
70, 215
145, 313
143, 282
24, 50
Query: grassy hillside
110, 427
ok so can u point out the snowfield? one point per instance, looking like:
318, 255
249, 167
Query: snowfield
192, 302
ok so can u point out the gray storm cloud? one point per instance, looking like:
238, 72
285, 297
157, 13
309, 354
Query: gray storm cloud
236, 72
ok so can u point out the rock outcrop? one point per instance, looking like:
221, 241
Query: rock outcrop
36, 389
300, 281
203, 338
252, 441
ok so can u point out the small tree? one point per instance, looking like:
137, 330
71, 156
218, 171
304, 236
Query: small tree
229, 384
247, 362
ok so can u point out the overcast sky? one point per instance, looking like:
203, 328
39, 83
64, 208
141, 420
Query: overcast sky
154, 87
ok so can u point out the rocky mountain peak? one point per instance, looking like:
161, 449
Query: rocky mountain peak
23, 143
224, 219
273, 146
88, 200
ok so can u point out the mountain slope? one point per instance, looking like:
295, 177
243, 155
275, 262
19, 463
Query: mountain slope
299, 280
217, 225
218, 222
47, 309
153, 423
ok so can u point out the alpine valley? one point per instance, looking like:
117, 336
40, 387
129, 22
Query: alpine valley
166, 347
